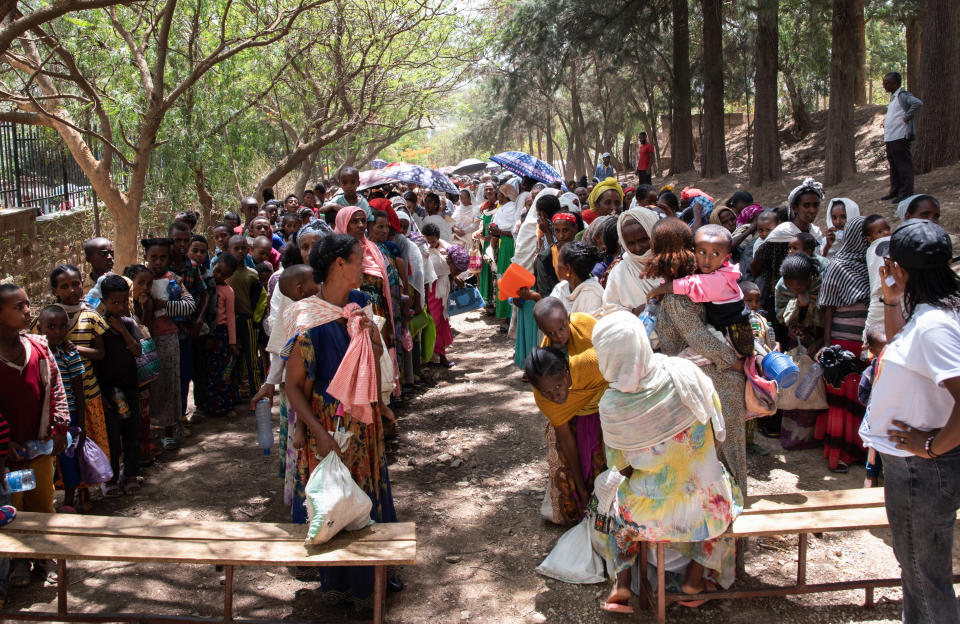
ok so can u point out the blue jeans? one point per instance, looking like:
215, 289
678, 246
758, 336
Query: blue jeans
922, 498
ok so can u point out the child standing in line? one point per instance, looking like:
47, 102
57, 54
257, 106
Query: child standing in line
117, 373
34, 404
199, 254
142, 279
349, 179
52, 323
222, 349
763, 335
246, 291
876, 339
168, 302
86, 329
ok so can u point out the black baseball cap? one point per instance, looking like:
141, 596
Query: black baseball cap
739, 196
918, 244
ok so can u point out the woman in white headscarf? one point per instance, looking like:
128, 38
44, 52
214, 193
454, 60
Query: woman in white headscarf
626, 287
840, 210
465, 218
660, 417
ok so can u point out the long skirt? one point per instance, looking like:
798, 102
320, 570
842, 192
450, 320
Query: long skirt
526, 333
444, 333
165, 389
678, 493
568, 509
485, 280
288, 454
839, 426
366, 459
222, 391
504, 258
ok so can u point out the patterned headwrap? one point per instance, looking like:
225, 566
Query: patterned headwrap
809, 185
748, 213
459, 256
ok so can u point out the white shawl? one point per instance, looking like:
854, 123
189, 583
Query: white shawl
442, 289
587, 297
626, 288
785, 231
525, 243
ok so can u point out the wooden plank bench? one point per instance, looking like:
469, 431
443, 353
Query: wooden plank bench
799, 513
66, 537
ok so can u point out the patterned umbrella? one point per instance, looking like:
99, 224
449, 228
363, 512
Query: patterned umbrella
377, 163
373, 177
524, 164
421, 176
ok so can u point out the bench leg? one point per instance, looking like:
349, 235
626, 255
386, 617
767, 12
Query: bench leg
802, 561
868, 598
228, 594
643, 583
62, 586
379, 593
661, 586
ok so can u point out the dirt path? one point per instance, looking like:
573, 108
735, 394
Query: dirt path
469, 469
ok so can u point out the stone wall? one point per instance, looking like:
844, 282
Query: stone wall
30, 246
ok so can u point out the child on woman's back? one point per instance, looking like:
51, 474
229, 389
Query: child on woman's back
716, 286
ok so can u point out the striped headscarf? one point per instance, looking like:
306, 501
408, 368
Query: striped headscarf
847, 280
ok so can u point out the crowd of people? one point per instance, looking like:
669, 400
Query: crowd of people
639, 334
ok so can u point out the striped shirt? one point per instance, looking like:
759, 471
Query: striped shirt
70, 367
84, 333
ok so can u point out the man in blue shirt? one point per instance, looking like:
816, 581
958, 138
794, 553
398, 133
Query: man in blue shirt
604, 170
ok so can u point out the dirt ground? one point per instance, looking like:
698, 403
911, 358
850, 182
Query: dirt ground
469, 469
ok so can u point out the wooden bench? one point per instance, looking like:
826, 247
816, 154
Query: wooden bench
66, 537
799, 513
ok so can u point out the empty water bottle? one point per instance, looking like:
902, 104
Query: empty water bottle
36, 448
264, 426
20, 481
809, 382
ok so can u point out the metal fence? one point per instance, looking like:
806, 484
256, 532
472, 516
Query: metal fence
37, 171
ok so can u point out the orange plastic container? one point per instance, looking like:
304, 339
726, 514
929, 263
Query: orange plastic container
512, 280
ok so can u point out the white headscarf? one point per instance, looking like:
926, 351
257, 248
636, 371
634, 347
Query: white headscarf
630, 416
525, 248
626, 288
570, 202
851, 207
465, 216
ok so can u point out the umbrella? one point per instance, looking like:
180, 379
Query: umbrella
378, 163
373, 177
446, 170
524, 164
470, 165
421, 176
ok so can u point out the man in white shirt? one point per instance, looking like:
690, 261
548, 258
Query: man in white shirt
899, 130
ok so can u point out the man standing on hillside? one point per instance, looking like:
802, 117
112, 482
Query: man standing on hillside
604, 170
644, 160
899, 130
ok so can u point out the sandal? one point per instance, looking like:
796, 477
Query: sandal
842, 468
7, 514
111, 490
47, 568
709, 586
131, 485
20, 574
616, 607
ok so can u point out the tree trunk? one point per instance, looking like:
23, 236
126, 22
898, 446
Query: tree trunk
766, 139
840, 152
860, 34
681, 127
304, 176
938, 128
802, 122
713, 156
914, 47
626, 160
549, 139
205, 199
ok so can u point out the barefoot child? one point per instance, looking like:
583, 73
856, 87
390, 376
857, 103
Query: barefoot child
117, 373
52, 323
716, 286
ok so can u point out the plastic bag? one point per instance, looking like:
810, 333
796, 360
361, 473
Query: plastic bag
572, 560
817, 400
760, 394
148, 364
476, 259
93, 463
334, 501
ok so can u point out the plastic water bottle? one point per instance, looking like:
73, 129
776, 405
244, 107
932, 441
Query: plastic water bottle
649, 316
120, 400
36, 448
809, 382
20, 481
264, 426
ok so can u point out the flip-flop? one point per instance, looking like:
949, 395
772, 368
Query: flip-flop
67, 509
842, 468
111, 490
709, 586
616, 607
7, 514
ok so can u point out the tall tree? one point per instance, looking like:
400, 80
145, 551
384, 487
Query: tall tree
914, 30
713, 157
681, 126
840, 156
938, 126
860, 34
766, 139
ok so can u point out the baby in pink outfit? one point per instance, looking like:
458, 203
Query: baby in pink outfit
716, 287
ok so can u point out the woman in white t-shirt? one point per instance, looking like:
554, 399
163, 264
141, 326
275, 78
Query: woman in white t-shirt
914, 416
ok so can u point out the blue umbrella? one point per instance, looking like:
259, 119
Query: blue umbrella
378, 163
524, 164
421, 176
